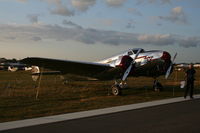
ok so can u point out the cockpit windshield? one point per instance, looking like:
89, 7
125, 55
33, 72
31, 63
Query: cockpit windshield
136, 50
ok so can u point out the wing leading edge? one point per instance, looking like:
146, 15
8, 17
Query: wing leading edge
88, 69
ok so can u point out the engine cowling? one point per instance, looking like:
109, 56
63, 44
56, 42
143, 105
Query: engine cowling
35, 73
125, 62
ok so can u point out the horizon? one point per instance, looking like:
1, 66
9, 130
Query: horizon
91, 30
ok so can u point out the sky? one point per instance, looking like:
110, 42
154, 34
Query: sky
91, 30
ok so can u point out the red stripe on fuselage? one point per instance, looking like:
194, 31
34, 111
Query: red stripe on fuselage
147, 57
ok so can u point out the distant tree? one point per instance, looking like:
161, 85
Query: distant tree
14, 60
3, 60
11, 60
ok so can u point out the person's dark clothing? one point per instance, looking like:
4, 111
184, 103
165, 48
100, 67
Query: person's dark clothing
190, 82
190, 74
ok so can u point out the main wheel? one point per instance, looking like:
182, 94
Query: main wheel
116, 90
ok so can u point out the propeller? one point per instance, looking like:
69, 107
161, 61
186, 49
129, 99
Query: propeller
128, 70
170, 67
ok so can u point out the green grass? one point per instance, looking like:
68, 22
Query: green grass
18, 94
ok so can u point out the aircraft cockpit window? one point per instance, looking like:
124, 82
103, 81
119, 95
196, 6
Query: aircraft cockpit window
130, 52
135, 51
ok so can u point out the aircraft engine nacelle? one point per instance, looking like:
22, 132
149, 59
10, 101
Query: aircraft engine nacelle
35, 72
125, 62
12, 69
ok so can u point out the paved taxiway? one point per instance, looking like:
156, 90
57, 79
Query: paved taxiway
178, 117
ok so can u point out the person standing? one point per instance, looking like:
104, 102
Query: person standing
190, 73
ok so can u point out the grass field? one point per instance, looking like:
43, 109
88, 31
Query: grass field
18, 94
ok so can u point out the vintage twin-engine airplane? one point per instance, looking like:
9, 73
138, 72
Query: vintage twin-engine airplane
134, 62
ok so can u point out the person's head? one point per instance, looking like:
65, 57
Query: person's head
190, 66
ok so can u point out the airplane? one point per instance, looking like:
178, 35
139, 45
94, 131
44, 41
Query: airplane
133, 62
13, 67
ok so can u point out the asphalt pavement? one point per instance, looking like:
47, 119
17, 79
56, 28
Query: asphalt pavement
180, 117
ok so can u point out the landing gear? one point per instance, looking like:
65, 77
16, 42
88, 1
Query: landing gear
127, 64
116, 90
157, 86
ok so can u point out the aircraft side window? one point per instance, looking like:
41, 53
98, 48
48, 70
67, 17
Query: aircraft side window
142, 51
135, 51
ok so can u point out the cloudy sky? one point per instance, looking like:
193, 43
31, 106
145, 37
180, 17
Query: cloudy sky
90, 30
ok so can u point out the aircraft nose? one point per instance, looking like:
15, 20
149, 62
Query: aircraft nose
166, 56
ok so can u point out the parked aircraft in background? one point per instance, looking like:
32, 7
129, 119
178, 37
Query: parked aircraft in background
186, 65
133, 62
14, 66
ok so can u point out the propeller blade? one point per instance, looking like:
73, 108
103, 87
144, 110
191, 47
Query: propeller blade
168, 72
170, 67
130, 66
174, 58
127, 72
138, 52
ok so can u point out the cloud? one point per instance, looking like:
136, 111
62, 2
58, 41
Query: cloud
73, 5
33, 18
57, 2
10, 38
59, 8
176, 15
22, 0
190, 42
158, 39
115, 3
70, 23
154, 1
130, 24
62, 10
91, 36
83, 5
107, 22
159, 24
134, 11
36, 38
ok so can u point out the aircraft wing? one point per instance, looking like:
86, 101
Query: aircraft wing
88, 69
